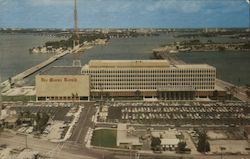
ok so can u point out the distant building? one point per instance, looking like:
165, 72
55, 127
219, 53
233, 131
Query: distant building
150, 78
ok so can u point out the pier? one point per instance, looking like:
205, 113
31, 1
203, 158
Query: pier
7, 84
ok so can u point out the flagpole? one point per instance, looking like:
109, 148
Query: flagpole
248, 2
249, 16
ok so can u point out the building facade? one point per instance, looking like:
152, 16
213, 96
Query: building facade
149, 78
62, 84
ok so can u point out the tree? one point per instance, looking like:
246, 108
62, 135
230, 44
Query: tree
182, 146
248, 93
203, 144
138, 94
216, 94
155, 143
41, 121
221, 48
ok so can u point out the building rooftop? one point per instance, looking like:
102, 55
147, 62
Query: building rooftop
198, 66
129, 63
169, 141
142, 63
124, 138
62, 70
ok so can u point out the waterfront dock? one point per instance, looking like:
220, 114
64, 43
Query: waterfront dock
6, 85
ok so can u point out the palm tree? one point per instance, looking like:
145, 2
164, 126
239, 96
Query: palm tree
138, 94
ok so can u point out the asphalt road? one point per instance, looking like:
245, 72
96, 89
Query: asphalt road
44, 147
74, 148
81, 128
76, 143
238, 93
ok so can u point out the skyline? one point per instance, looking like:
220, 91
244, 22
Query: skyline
125, 14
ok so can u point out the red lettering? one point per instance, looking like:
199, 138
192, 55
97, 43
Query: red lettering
44, 80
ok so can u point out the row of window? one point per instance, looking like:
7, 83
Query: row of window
151, 75
143, 88
150, 83
149, 71
120, 80
63, 98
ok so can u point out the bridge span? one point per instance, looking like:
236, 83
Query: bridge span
7, 84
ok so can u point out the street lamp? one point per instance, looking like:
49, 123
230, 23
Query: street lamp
221, 149
248, 1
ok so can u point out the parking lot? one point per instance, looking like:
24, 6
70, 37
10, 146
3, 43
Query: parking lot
176, 113
60, 116
230, 146
57, 111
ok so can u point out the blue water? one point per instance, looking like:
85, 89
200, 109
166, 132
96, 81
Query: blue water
14, 52
233, 67
15, 58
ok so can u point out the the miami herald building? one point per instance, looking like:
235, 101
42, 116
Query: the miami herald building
149, 78
135, 78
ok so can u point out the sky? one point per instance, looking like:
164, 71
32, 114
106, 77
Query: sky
124, 13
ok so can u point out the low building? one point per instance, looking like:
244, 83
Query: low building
247, 131
10, 121
126, 137
169, 141
62, 84
8, 118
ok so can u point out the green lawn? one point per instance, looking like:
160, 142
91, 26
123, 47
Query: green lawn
19, 98
104, 138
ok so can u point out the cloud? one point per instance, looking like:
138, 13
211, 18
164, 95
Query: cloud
194, 6
144, 6
50, 2
3, 2
123, 12
174, 5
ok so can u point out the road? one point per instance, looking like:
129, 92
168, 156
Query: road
76, 143
44, 147
73, 148
238, 92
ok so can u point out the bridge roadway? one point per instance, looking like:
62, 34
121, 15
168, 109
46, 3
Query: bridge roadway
6, 84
